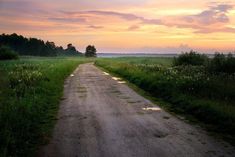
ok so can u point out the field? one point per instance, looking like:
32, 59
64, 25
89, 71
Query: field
30, 91
207, 98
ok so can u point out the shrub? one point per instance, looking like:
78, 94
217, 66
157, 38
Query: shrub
191, 58
6, 53
222, 64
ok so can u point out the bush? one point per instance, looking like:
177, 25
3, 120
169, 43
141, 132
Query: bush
6, 53
191, 58
222, 64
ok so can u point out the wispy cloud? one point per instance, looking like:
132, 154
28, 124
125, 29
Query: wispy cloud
214, 19
133, 28
215, 14
95, 27
105, 14
68, 20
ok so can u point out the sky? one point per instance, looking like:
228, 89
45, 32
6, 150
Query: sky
146, 26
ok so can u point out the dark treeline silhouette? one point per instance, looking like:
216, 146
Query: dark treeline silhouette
220, 63
35, 47
90, 51
69, 51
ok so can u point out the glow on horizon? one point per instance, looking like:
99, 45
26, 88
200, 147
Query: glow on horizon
125, 25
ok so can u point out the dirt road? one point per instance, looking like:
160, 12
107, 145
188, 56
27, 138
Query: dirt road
100, 116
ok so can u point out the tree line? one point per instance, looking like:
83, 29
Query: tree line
37, 47
220, 63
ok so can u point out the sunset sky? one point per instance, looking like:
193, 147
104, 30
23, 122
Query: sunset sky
161, 26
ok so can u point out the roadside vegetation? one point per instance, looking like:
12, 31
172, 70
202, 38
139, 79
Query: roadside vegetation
203, 89
30, 91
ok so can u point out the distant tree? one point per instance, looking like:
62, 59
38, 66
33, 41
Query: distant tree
221, 63
51, 44
191, 58
70, 47
60, 48
31, 46
71, 51
90, 51
6, 53
35, 47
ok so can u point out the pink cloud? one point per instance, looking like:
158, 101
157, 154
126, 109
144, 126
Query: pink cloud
95, 27
133, 28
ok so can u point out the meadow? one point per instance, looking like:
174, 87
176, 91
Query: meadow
32, 87
30, 92
193, 91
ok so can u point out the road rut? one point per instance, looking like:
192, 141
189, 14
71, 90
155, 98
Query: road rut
100, 116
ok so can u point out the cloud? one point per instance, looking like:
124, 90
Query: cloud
213, 15
222, 7
112, 13
133, 28
125, 16
152, 21
224, 29
19, 8
95, 27
67, 20
214, 19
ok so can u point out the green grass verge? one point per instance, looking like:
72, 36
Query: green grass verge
189, 91
30, 91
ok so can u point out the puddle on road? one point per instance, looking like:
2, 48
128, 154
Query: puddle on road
121, 82
151, 109
105, 73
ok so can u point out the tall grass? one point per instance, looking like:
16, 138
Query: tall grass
30, 92
192, 90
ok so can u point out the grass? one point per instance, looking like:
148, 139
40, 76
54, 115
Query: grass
31, 88
188, 90
30, 91
143, 60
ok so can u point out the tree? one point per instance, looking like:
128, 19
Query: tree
90, 51
71, 51
35, 47
70, 47
191, 58
28, 46
6, 53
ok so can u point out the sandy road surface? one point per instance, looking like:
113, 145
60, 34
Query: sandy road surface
102, 117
